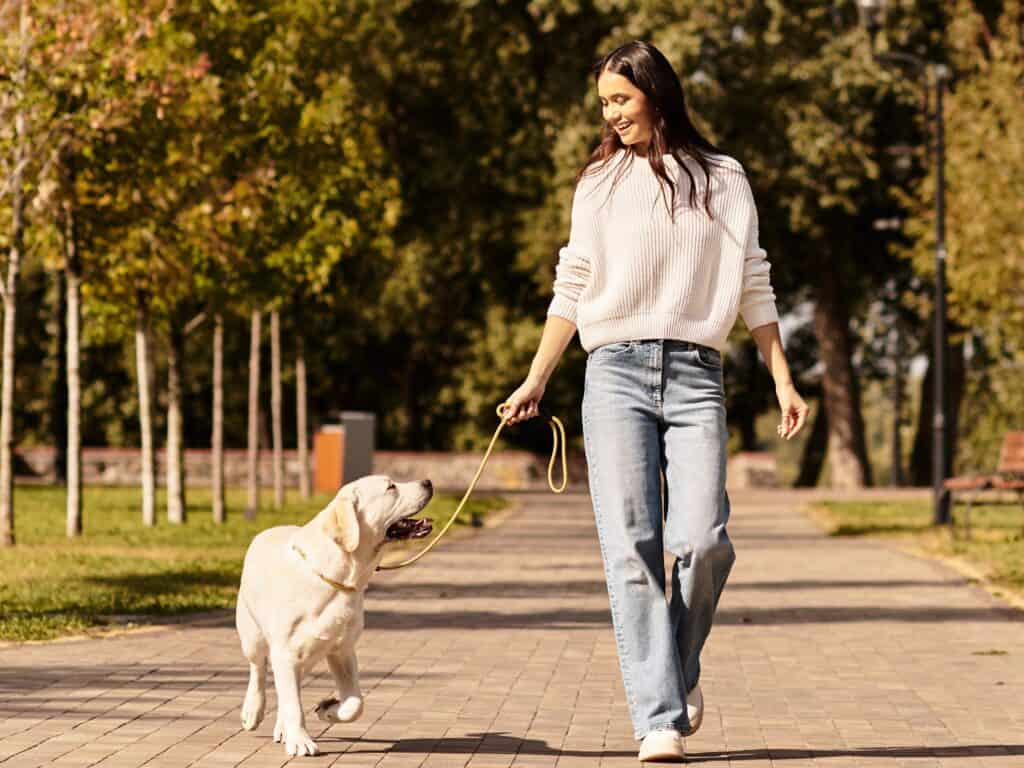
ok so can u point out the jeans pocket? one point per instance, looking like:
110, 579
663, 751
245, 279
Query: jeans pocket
613, 349
710, 357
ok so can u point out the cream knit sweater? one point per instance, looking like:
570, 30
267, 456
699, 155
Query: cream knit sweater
630, 272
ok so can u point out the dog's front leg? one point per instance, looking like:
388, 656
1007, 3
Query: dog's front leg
348, 704
291, 722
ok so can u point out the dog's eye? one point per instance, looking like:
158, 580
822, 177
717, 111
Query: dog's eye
391, 486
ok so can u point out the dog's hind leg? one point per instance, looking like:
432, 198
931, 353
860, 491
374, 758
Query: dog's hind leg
348, 704
291, 721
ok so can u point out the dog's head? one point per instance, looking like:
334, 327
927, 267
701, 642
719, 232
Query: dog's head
374, 509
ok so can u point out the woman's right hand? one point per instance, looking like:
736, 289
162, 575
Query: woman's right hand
524, 403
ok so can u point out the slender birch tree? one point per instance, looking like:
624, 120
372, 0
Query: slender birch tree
253, 448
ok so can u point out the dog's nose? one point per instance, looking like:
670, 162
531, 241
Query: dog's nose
428, 485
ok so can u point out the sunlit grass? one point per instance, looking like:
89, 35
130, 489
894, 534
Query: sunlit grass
51, 586
995, 544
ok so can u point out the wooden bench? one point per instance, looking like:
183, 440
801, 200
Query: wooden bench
1009, 476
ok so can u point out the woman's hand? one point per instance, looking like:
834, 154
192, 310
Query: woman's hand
794, 410
524, 403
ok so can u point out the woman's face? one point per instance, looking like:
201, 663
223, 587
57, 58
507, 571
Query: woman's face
626, 109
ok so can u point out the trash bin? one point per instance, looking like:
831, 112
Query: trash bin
343, 452
360, 440
328, 458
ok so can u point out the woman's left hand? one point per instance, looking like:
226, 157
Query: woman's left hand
794, 410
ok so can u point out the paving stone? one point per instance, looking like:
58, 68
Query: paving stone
497, 652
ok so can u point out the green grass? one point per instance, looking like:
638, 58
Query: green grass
120, 571
995, 546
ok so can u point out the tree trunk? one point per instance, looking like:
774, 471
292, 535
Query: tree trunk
72, 268
302, 436
275, 407
847, 452
7, 405
10, 298
253, 504
896, 469
59, 404
814, 450
143, 379
175, 454
217, 439
745, 410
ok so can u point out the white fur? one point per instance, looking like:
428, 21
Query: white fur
289, 615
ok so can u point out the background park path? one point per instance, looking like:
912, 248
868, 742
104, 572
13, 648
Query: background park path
498, 651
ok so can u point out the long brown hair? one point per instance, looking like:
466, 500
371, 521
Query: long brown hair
672, 130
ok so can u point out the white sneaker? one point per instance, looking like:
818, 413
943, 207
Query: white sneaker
664, 745
695, 709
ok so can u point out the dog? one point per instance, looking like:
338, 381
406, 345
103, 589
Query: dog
301, 600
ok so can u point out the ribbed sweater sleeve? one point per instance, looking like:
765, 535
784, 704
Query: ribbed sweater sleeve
757, 299
574, 259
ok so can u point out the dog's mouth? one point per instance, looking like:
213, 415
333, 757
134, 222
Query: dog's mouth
407, 528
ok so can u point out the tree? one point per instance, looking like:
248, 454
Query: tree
304, 196
217, 438
275, 407
17, 182
985, 230
143, 186
58, 68
253, 476
470, 128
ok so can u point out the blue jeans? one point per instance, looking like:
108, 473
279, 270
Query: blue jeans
649, 407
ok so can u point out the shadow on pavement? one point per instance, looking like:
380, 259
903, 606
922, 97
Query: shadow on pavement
960, 750
570, 618
501, 743
519, 589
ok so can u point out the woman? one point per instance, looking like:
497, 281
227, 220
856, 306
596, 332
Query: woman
660, 261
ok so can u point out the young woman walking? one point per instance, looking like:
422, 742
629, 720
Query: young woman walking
662, 256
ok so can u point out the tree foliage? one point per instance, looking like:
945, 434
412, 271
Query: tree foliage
396, 178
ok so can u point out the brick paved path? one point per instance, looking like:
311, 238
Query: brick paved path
499, 652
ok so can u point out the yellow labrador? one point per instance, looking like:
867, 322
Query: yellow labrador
301, 599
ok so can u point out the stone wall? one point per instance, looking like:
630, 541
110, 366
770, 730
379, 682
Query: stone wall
122, 466
449, 471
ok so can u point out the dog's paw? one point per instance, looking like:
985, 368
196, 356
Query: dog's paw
252, 711
350, 709
298, 743
278, 731
334, 711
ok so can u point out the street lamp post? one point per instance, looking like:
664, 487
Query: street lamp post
871, 15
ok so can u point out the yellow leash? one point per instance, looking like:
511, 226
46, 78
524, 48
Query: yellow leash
557, 435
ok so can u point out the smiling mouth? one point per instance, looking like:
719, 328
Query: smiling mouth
407, 528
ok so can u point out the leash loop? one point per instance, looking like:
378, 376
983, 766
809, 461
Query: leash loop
557, 440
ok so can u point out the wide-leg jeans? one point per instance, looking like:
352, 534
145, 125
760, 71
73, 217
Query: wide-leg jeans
652, 407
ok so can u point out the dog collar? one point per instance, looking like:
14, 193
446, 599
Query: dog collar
336, 584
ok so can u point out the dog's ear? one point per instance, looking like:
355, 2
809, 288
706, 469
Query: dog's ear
343, 520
